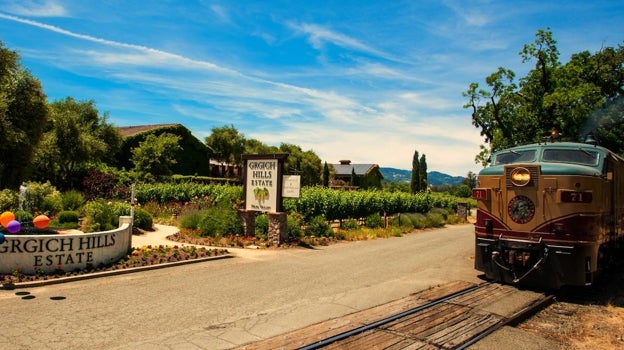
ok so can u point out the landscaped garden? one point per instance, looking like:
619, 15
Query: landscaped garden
208, 214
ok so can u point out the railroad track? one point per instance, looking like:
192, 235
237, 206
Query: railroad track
452, 316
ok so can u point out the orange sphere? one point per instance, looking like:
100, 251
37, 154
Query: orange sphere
41, 221
6, 217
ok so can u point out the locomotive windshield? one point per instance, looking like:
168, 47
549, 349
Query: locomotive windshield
578, 156
510, 157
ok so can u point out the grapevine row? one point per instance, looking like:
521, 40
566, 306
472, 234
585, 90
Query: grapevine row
313, 201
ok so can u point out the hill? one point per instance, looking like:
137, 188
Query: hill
433, 177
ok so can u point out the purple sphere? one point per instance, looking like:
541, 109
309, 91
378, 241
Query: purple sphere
14, 226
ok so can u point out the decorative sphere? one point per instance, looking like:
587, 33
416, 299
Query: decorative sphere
41, 221
1, 237
13, 226
6, 217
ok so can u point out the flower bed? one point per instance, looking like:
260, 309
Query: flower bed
143, 256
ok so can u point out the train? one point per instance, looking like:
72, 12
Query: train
549, 214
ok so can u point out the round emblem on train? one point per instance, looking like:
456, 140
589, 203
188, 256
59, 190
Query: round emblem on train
521, 209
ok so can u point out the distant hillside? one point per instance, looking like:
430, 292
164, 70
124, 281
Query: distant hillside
433, 178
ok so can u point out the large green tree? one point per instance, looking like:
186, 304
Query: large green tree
23, 116
305, 163
76, 136
552, 96
154, 157
227, 144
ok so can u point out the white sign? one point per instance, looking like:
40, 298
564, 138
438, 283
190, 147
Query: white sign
261, 185
291, 186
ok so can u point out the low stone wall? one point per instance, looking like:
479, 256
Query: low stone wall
66, 252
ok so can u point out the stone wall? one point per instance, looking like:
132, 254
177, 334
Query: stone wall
66, 252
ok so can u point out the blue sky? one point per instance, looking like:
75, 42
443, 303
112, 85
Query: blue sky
369, 81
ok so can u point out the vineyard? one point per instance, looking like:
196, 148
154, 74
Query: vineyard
313, 201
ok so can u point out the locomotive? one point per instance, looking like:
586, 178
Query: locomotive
549, 214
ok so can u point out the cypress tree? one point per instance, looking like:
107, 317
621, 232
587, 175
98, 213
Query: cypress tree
423, 173
415, 180
325, 175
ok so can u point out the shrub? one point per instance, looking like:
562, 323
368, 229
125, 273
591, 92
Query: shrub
439, 211
142, 219
262, 225
42, 198
100, 216
319, 227
190, 219
418, 220
219, 221
9, 199
350, 224
374, 221
435, 219
402, 220
52, 204
72, 200
99, 184
68, 216
23, 216
293, 222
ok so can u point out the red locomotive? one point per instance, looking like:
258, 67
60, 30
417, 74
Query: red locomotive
549, 214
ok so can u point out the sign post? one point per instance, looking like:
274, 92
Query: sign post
263, 193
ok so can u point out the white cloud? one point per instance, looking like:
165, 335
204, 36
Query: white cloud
221, 13
32, 8
320, 36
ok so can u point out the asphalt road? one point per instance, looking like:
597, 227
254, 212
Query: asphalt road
226, 303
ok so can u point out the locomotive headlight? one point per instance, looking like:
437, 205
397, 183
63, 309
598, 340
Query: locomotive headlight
520, 176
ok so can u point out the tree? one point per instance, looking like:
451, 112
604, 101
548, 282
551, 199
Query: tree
470, 180
253, 146
422, 168
154, 156
550, 97
307, 163
76, 136
463, 191
325, 175
192, 157
23, 117
415, 178
227, 144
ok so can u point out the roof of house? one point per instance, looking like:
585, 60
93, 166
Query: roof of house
360, 169
127, 131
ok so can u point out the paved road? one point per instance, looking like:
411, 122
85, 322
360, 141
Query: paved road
226, 303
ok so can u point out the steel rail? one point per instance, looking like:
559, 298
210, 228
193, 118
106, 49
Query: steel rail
513, 319
344, 335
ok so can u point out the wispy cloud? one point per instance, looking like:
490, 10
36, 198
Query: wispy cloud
150, 56
475, 13
32, 8
320, 36
221, 13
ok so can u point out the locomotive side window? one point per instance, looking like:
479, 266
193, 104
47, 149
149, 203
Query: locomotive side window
577, 156
510, 157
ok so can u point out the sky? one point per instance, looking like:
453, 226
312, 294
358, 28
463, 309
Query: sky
368, 81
